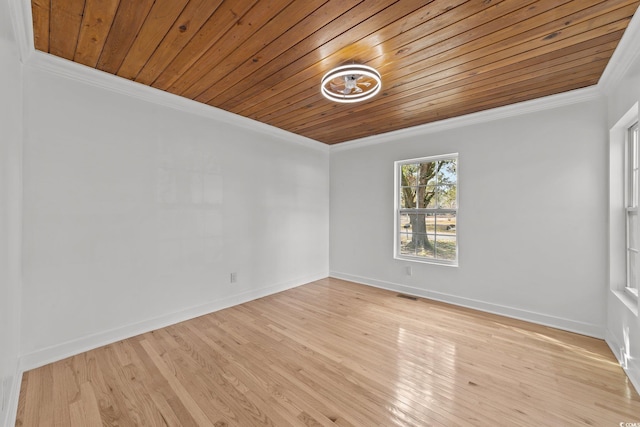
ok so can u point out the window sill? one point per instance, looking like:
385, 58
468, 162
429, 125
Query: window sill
628, 300
427, 261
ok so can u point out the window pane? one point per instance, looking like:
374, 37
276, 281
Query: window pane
427, 173
448, 172
417, 244
408, 175
632, 167
407, 197
424, 245
426, 196
446, 224
632, 229
447, 196
446, 247
429, 223
633, 260
405, 224
634, 189
634, 185
405, 244
415, 223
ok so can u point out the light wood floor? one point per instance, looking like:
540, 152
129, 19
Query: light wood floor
336, 353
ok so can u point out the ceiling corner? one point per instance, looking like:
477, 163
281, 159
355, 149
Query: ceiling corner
623, 57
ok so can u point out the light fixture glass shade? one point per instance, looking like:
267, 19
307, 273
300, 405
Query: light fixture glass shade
351, 83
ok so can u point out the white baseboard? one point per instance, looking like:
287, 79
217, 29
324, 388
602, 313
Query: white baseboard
12, 405
70, 348
582, 328
632, 369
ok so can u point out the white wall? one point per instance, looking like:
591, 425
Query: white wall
623, 325
10, 146
136, 214
531, 223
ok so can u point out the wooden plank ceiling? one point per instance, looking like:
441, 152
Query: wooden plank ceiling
265, 59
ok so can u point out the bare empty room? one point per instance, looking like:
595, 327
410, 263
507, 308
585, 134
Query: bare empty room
319, 213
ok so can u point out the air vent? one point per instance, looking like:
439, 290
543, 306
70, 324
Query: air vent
411, 297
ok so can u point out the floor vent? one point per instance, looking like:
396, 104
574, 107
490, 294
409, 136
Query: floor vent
412, 298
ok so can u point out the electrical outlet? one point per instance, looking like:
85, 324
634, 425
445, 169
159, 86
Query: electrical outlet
408, 270
233, 278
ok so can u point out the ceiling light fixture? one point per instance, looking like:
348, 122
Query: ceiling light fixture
351, 83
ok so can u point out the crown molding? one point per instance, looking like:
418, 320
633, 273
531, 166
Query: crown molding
23, 29
21, 19
100, 79
521, 108
626, 53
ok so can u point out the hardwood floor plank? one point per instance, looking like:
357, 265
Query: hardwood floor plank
240, 383
185, 397
22, 398
340, 381
113, 403
239, 370
90, 406
223, 396
374, 357
38, 410
67, 395
162, 391
337, 353
78, 417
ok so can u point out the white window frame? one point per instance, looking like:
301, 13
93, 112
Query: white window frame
632, 175
399, 211
618, 208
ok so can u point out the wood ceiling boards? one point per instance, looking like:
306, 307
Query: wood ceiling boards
265, 59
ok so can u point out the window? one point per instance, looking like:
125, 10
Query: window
633, 224
426, 207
